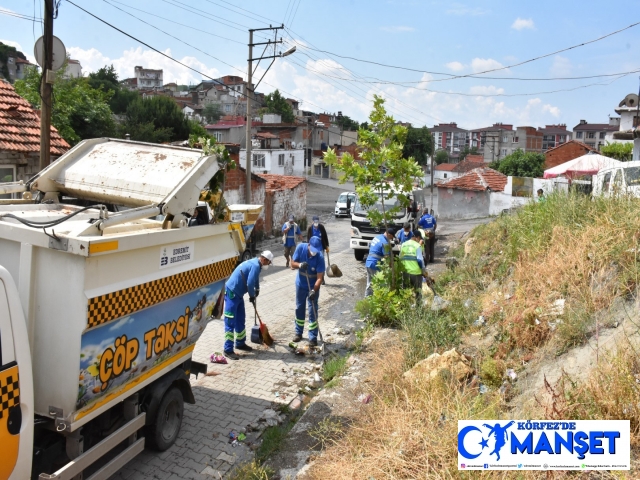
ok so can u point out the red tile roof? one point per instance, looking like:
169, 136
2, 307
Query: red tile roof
281, 182
478, 179
475, 158
446, 167
20, 125
468, 164
573, 141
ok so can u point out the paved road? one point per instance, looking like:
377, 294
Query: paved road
245, 388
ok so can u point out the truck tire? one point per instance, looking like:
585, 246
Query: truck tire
164, 430
359, 254
246, 255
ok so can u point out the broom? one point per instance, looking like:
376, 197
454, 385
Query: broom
266, 337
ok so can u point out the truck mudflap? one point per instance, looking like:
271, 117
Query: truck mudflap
154, 392
78, 464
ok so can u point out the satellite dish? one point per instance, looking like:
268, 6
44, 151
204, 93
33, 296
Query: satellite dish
59, 53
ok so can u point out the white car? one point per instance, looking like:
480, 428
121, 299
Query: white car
341, 204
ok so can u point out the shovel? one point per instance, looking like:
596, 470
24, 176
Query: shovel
333, 271
315, 311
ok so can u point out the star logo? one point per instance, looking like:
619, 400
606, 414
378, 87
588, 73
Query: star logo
484, 443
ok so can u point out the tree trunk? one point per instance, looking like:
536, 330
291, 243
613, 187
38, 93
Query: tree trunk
391, 259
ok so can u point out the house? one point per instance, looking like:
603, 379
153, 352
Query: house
447, 171
469, 195
144, 78
494, 142
565, 152
74, 69
20, 137
444, 172
269, 160
230, 129
629, 121
594, 134
192, 111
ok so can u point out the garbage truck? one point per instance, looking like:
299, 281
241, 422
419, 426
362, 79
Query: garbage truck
104, 290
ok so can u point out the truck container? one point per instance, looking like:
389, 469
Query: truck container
111, 289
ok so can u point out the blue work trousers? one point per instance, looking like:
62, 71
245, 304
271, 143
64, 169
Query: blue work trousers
302, 298
234, 321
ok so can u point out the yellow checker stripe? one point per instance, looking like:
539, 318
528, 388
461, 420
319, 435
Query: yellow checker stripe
9, 389
129, 300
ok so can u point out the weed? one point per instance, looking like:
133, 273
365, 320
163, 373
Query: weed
492, 372
327, 431
252, 471
332, 383
361, 336
272, 439
334, 367
283, 408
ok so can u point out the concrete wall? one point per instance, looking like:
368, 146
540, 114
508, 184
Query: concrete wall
27, 164
293, 161
455, 204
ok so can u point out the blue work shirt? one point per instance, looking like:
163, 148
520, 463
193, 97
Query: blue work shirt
403, 236
377, 250
291, 235
251, 272
427, 221
315, 232
315, 265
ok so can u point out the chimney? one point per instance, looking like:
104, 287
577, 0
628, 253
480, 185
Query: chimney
583, 122
194, 97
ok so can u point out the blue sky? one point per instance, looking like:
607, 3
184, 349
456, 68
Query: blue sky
445, 37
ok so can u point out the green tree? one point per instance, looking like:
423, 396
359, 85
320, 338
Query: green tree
419, 145
275, 103
467, 151
106, 79
381, 163
521, 164
212, 113
441, 156
619, 151
157, 119
79, 111
347, 124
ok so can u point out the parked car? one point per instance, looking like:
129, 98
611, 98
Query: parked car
341, 204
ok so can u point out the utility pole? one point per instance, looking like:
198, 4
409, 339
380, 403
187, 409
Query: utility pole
46, 87
251, 90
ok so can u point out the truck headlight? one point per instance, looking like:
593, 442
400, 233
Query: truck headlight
355, 232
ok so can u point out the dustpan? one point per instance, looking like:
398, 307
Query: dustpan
333, 271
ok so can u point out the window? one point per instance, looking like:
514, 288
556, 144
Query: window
258, 160
591, 134
504, 138
602, 135
217, 136
578, 134
281, 159
445, 175
227, 108
591, 144
515, 139
7, 174
503, 152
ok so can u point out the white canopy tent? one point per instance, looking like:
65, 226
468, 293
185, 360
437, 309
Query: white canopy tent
589, 164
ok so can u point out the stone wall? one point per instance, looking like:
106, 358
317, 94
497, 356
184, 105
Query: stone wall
27, 164
285, 202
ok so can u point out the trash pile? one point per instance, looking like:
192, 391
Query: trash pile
457, 364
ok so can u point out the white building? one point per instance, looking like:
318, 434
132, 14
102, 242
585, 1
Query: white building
629, 122
74, 69
147, 78
278, 161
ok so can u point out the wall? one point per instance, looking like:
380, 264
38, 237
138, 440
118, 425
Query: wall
286, 202
564, 153
462, 204
234, 194
442, 175
294, 161
27, 164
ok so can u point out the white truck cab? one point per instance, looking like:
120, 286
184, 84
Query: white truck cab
622, 179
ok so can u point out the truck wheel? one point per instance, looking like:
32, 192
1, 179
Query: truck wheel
359, 254
166, 426
246, 255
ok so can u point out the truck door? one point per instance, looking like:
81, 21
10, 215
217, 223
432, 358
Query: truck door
10, 415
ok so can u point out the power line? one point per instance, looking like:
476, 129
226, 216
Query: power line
20, 16
452, 76
178, 23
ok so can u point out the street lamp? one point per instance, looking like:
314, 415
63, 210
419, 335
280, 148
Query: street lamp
251, 90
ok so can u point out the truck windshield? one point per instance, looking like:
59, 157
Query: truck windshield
361, 211
632, 176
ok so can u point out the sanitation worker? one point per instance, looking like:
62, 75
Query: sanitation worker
404, 233
244, 279
316, 229
412, 263
290, 230
309, 261
429, 224
379, 247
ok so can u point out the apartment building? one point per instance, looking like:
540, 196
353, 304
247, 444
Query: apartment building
594, 134
450, 137
554, 135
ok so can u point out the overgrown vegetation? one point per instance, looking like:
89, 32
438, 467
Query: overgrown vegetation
619, 151
334, 366
533, 279
521, 164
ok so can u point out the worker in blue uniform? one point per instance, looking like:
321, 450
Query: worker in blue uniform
244, 279
404, 233
429, 224
379, 248
309, 261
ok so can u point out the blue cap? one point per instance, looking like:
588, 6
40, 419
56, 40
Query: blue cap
315, 245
